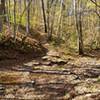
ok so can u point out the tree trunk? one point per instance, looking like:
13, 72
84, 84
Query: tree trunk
14, 33
78, 18
28, 17
1, 25
2, 12
3, 8
44, 15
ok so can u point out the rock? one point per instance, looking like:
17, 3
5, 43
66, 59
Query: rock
10, 96
32, 63
47, 63
51, 60
83, 88
58, 61
45, 58
92, 73
53, 53
2, 89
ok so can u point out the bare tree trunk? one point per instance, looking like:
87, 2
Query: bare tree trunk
53, 17
60, 22
44, 16
14, 33
28, 17
1, 25
78, 16
3, 8
48, 20
2, 12
8, 14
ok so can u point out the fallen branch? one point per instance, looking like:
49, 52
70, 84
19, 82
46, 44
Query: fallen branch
64, 72
94, 2
19, 83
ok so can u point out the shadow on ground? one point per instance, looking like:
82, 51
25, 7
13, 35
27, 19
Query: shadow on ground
13, 56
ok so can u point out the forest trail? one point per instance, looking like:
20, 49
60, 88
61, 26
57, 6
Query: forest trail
49, 50
54, 76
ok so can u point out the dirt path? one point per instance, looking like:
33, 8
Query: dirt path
52, 77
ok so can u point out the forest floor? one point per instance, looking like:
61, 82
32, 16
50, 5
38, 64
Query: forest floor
56, 75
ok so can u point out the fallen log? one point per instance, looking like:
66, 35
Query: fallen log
19, 83
52, 72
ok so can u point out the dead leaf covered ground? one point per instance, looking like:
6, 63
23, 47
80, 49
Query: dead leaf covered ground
54, 76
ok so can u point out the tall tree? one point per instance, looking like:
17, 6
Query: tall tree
44, 15
60, 20
28, 16
2, 12
78, 17
51, 7
3, 3
3, 6
14, 33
